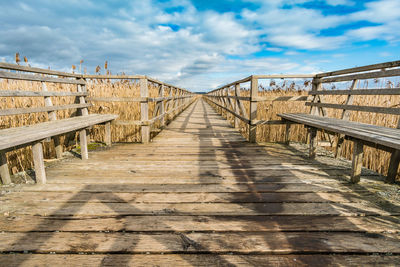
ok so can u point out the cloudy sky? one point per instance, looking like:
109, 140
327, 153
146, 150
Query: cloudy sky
201, 44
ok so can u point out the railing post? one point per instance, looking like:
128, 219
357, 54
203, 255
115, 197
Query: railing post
253, 109
144, 111
237, 106
162, 106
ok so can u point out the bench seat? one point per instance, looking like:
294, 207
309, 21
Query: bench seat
14, 137
387, 137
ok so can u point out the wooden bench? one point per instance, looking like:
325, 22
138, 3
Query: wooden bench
34, 135
361, 134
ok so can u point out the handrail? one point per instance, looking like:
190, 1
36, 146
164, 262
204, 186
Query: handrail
174, 102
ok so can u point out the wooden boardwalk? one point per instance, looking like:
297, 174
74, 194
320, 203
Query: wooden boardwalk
198, 195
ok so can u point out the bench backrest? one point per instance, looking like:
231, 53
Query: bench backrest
354, 75
43, 78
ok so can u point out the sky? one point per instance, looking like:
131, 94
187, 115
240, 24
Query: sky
199, 44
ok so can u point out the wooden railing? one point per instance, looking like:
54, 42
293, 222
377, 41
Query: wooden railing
171, 100
229, 99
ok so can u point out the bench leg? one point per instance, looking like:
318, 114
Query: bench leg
5, 174
83, 143
37, 151
339, 145
393, 167
313, 143
59, 147
357, 161
107, 135
287, 133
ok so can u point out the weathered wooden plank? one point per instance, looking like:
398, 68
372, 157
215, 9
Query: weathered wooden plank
125, 209
386, 110
372, 224
290, 242
383, 91
38, 78
18, 111
200, 197
9, 66
361, 76
22, 93
211, 188
186, 260
378, 66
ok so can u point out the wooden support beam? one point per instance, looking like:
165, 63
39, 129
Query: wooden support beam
52, 117
84, 144
357, 161
287, 133
162, 105
237, 105
345, 116
253, 110
40, 173
107, 134
4, 172
313, 143
393, 167
144, 111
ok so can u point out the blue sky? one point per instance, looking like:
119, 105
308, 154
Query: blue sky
201, 44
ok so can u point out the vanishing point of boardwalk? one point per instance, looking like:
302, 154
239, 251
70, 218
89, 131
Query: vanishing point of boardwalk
199, 194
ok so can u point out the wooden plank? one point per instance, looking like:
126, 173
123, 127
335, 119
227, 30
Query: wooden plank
290, 242
38, 162
191, 188
149, 223
4, 172
362, 76
212, 209
22, 93
38, 78
384, 65
117, 99
383, 91
199, 197
186, 260
386, 110
19, 111
9, 66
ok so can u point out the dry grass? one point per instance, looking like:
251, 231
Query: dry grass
374, 159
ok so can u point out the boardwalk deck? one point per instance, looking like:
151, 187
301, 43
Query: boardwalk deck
200, 195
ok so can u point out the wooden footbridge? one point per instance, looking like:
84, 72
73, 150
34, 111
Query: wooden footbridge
199, 194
